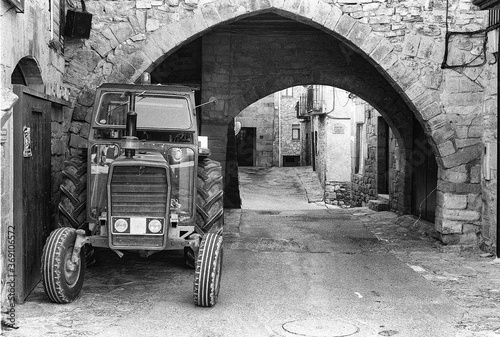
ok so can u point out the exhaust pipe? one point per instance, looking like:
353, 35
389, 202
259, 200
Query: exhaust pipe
130, 138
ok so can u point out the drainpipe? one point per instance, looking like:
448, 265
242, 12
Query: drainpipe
280, 161
498, 228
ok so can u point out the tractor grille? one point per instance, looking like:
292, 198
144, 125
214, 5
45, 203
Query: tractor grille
139, 191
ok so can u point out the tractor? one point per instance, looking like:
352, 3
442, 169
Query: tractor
145, 184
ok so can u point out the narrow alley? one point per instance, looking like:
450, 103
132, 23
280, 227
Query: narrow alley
290, 268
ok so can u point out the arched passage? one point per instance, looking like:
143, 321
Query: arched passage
27, 73
405, 89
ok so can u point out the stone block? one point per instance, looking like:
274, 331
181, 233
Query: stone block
461, 143
322, 12
143, 4
452, 201
449, 227
389, 60
359, 33
383, 49
455, 175
475, 174
56, 129
470, 229
467, 85
410, 46
462, 156
460, 215
344, 25
57, 147
431, 111
122, 31
379, 20
415, 90
371, 7
351, 8
152, 24
474, 202
425, 47
77, 142
446, 148
371, 42
84, 130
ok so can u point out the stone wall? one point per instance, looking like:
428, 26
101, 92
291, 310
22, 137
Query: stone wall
388, 53
288, 116
261, 115
364, 183
338, 193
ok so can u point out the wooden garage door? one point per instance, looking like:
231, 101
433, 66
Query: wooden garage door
32, 185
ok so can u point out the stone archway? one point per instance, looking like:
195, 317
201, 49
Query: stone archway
122, 49
27, 72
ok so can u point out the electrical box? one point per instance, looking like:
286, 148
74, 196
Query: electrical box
78, 24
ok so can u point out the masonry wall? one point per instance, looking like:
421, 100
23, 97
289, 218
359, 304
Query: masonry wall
288, 117
262, 116
404, 40
365, 184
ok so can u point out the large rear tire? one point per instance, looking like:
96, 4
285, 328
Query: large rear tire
73, 202
208, 270
209, 199
209, 202
61, 282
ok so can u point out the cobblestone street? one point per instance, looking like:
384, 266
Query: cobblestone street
375, 272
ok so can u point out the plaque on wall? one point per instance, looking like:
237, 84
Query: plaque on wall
338, 129
18, 4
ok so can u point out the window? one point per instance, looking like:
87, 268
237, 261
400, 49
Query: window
295, 132
57, 9
288, 92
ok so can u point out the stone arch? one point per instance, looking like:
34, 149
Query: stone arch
377, 50
27, 72
429, 92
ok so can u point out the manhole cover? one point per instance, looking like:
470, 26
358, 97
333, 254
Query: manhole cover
320, 327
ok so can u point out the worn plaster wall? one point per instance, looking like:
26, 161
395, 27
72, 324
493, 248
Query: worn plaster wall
25, 37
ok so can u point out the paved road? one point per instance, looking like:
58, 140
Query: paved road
289, 266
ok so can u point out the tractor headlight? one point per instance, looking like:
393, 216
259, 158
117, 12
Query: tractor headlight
176, 154
155, 226
121, 225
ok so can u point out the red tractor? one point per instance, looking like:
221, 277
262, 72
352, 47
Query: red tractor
144, 184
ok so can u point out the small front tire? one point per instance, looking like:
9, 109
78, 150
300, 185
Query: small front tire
62, 281
208, 270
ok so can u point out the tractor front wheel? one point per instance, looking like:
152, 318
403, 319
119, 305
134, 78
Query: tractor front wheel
62, 280
208, 270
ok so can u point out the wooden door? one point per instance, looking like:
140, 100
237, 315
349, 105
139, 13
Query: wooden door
32, 185
245, 146
424, 177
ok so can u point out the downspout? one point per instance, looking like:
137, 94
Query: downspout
280, 160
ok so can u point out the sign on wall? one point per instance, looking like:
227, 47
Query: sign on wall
338, 129
19, 4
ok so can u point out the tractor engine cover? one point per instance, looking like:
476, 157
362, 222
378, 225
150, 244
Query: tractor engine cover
138, 202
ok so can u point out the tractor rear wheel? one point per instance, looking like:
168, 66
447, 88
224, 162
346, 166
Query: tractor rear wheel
208, 270
61, 279
209, 202
73, 201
